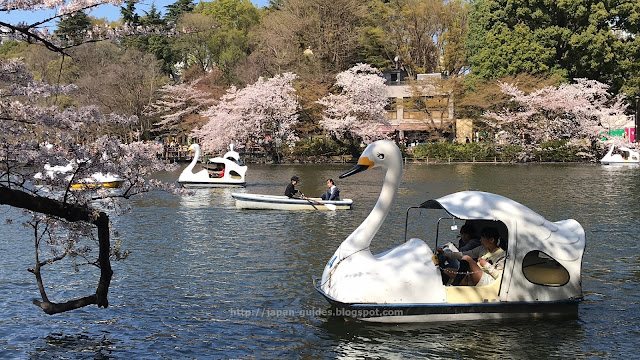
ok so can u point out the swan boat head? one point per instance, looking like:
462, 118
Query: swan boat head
403, 274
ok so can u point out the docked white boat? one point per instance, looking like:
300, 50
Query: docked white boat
620, 155
541, 276
96, 180
225, 171
277, 202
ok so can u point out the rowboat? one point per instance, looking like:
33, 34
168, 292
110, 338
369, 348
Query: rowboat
541, 276
278, 202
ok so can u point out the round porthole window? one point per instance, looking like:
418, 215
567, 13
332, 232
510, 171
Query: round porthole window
542, 269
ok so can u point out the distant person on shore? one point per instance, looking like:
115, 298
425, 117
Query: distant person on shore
291, 191
333, 193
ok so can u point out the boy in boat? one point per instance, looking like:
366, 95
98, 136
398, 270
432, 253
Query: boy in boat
291, 191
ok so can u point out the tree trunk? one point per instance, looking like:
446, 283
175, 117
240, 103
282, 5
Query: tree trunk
71, 213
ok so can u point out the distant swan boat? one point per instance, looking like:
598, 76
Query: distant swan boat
623, 155
226, 171
96, 180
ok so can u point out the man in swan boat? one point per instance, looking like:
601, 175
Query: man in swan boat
490, 261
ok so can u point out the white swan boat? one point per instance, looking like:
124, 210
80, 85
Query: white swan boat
541, 276
96, 180
277, 202
620, 155
225, 171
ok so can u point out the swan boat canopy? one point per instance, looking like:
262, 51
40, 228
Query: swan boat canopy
620, 155
275, 202
541, 276
96, 180
225, 171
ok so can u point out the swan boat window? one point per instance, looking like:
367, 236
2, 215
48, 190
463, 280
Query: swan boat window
540, 275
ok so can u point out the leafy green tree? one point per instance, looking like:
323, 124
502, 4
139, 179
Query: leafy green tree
158, 45
423, 36
230, 43
12, 49
153, 17
175, 10
454, 58
72, 28
128, 12
193, 44
574, 39
414, 29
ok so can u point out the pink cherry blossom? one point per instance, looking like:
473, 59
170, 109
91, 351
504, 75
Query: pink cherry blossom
262, 112
574, 112
358, 108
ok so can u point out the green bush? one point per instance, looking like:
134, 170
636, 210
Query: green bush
557, 151
509, 153
319, 146
455, 151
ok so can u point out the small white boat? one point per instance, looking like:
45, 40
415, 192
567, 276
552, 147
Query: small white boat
620, 155
225, 171
96, 180
281, 202
541, 276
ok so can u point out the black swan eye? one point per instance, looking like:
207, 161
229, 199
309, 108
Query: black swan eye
380, 156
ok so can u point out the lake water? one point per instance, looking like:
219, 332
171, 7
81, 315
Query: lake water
205, 280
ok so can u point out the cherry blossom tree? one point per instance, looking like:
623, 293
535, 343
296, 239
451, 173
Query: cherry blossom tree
574, 112
72, 224
262, 112
178, 102
358, 109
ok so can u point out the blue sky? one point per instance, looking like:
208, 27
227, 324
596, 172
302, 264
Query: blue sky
105, 11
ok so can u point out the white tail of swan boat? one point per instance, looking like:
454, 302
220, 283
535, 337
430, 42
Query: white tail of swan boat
541, 276
225, 171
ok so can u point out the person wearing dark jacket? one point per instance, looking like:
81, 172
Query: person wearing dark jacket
333, 193
291, 191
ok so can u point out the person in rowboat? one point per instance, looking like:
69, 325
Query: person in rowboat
333, 193
291, 191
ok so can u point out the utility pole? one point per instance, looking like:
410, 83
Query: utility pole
637, 114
